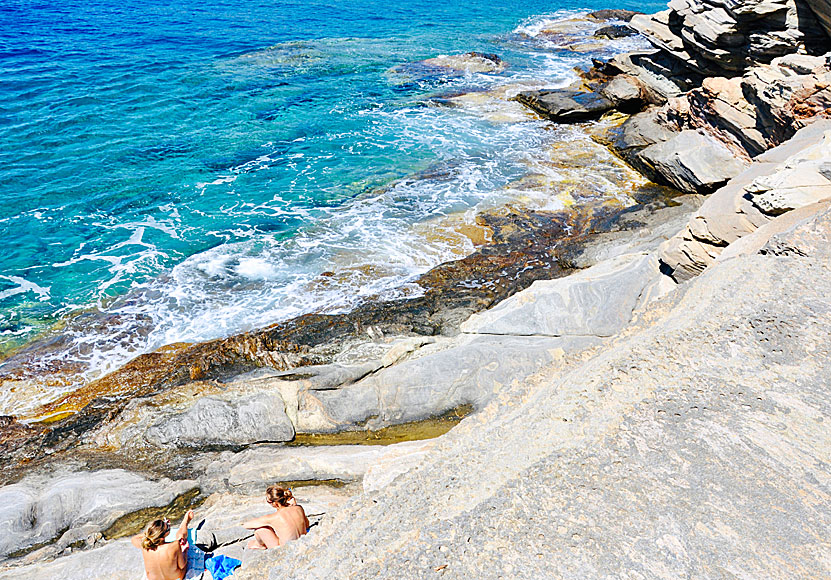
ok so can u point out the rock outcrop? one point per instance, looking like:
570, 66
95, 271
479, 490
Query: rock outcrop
69, 506
789, 176
696, 445
822, 10
725, 39
759, 110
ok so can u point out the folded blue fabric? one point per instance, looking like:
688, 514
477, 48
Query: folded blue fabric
222, 566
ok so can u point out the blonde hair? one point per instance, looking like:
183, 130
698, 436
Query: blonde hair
155, 534
276, 494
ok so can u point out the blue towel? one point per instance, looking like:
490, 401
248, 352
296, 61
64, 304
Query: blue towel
222, 566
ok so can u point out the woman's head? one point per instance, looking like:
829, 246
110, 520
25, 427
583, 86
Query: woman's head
278, 496
155, 534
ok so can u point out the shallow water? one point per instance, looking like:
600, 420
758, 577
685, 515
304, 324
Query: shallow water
181, 171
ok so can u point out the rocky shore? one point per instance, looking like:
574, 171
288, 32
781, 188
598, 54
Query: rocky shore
635, 391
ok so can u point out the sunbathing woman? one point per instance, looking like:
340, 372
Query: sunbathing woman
164, 560
288, 523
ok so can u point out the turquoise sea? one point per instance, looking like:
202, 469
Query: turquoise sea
178, 171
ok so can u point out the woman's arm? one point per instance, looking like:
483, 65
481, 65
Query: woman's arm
182, 532
259, 522
136, 541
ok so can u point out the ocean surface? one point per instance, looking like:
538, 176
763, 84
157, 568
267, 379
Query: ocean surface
179, 171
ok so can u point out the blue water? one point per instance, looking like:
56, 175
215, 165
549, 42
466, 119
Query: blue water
194, 167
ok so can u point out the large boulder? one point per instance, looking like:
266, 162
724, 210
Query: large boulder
692, 162
598, 301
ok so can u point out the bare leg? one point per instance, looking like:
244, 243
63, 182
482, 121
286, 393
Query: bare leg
255, 544
266, 538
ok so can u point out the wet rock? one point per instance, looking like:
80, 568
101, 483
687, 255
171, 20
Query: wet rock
566, 106
613, 14
615, 31
475, 62
116, 411
446, 66
692, 162
636, 134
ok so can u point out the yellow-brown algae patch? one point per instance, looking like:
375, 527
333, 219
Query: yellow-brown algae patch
413, 431
496, 105
134, 522
141, 371
455, 231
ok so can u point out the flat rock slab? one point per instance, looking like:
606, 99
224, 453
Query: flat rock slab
213, 421
566, 106
472, 372
597, 301
252, 470
222, 513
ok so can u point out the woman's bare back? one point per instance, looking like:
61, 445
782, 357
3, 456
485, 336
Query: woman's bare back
286, 524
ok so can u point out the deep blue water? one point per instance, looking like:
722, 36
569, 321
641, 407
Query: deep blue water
198, 165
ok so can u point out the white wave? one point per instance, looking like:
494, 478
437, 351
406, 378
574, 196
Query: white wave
24, 286
533, 26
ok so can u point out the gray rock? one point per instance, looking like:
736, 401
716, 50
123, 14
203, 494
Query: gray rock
723, 39
597, 301
475, 62
213, 421
822, 10
252, 470
48, 507
624, 92
762, 237
633, 136
803, 180
470, 372
566, 106
692, 162
613, 14
660, 76
615, 31
636, 133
